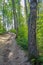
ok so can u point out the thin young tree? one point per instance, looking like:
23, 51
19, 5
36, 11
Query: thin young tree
26, 9
3, 13
19, 11
14, 14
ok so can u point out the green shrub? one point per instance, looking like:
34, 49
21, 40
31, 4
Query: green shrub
40, 33
2, 30
13, 30
22, 39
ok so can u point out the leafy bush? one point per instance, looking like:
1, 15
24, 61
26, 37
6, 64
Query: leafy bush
40, 33
2, 29
22, 39
13, 30
40, 37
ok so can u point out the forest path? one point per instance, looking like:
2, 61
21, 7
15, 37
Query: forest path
10, 52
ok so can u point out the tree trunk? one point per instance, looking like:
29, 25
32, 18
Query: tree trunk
19, 13
32, 47
3, 14
14, 14
25, 8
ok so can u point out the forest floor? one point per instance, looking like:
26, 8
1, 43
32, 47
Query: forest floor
10, 52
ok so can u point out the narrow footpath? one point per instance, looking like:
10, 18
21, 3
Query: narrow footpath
10, 52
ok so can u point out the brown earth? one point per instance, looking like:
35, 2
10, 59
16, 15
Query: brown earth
10, 52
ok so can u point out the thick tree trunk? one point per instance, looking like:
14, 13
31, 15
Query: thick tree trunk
32, 47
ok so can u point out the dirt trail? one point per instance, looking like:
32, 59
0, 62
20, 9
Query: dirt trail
10, 52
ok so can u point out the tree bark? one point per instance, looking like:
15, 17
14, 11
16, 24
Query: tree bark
19, 12
25, 6
3, 14
32, 46
14, 14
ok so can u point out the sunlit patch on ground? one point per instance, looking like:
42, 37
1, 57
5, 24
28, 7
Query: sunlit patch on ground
4, 38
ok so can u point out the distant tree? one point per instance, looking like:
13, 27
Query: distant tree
3, 14
19, 11
14, 14
25, 8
